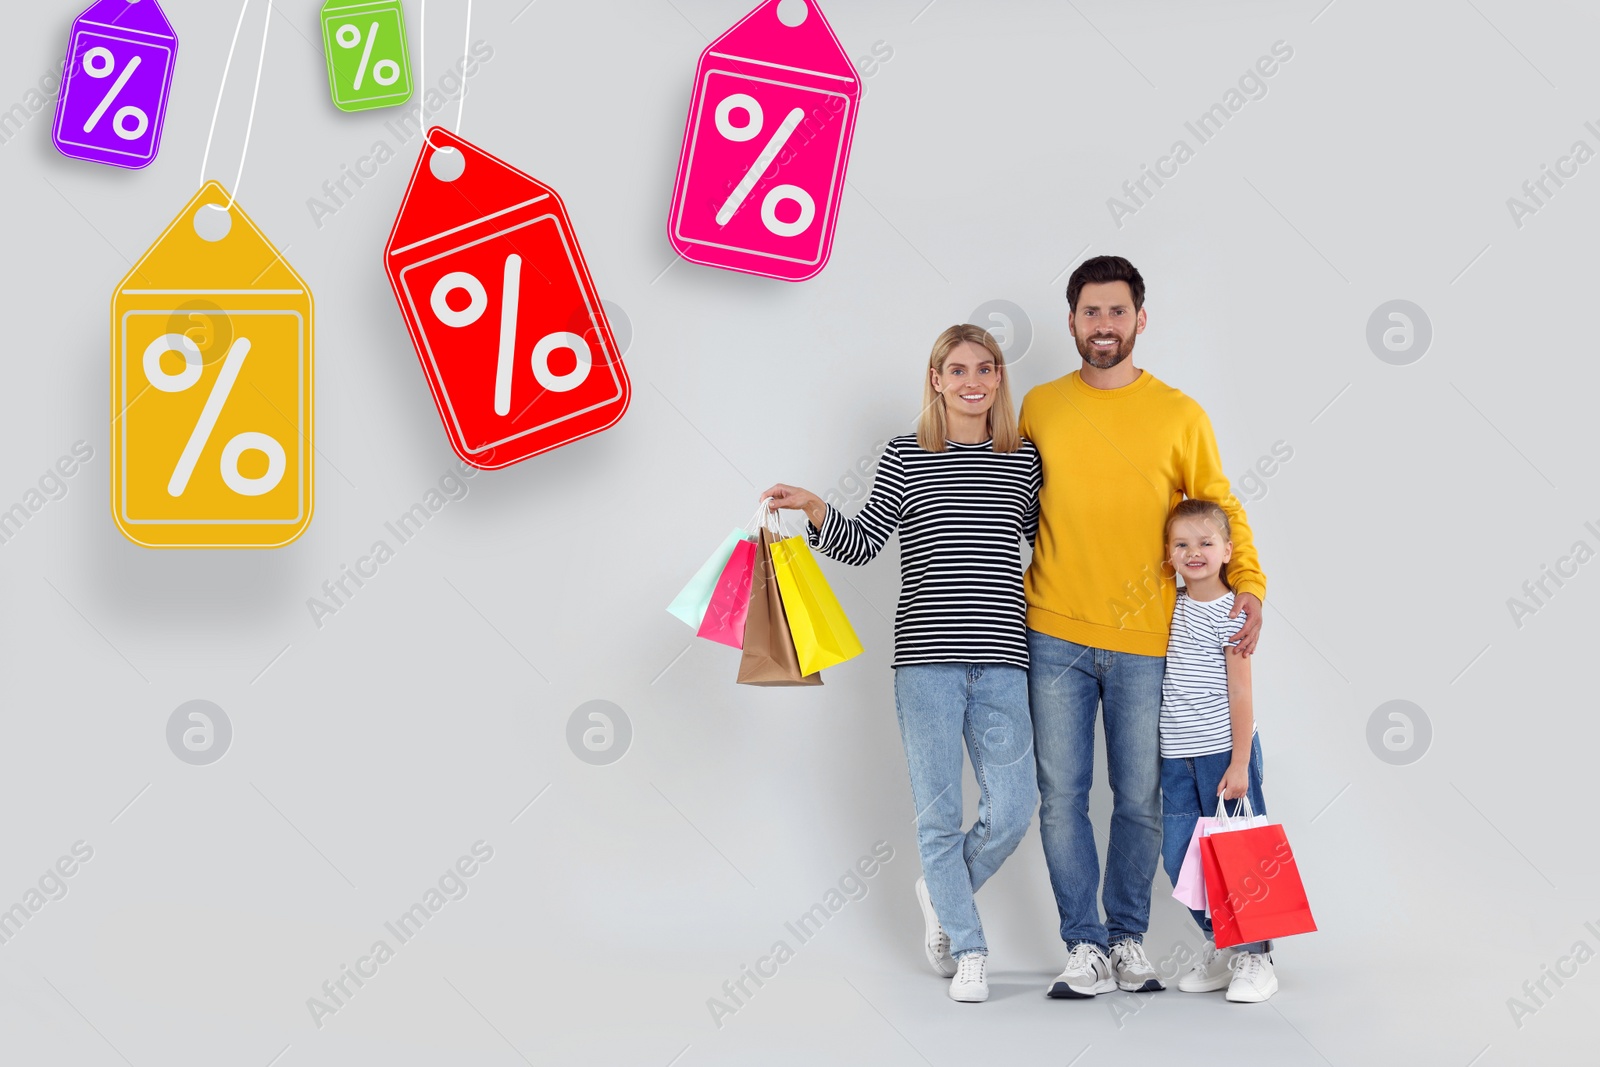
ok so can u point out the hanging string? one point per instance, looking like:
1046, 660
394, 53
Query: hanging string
255, 94
466, 47
261, 63
422, 61
206, 159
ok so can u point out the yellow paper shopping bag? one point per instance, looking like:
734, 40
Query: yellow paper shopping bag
822, 634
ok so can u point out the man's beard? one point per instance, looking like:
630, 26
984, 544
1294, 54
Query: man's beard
1101, 359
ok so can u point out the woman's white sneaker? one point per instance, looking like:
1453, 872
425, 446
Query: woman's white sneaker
1087, 974
1253, 978
970, 985
1210, 972
935, 942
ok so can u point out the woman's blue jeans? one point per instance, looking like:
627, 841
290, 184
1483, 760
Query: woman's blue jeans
943, 707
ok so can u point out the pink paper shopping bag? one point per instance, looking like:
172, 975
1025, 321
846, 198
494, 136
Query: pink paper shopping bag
730, 600
1190, 889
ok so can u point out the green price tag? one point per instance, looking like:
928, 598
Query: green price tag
369, 64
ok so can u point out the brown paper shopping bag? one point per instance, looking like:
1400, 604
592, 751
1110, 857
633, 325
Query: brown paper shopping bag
769, 656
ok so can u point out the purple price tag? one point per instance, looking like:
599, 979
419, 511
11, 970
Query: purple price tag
114, 90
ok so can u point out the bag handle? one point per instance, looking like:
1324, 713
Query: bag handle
1242, 810
771, 518
756, 521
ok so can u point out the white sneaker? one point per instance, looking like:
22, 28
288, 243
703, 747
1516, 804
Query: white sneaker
1131, 968
1088, 974
970, 985
935, 942
1253, 978
1210, 972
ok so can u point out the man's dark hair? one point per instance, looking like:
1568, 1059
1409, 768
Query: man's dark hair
1103, 269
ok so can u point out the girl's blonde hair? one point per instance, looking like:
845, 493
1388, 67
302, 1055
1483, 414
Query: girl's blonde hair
1208, 510
932, 427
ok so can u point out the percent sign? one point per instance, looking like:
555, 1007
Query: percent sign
349, 36
277, 461
99, 63
478, 303
779, 193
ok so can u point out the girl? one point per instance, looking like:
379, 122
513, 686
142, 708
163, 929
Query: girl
1209, 747
964, 493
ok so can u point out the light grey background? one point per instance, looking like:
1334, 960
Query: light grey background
369, 754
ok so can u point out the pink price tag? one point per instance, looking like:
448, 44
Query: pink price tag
766, 145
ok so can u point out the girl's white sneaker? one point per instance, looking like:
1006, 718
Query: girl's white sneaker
1253, 978
1211, 972
970, 985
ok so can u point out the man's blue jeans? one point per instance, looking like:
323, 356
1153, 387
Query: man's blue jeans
1067, 683
940, 706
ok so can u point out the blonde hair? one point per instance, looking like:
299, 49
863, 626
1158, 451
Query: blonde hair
932, 427
1209, 510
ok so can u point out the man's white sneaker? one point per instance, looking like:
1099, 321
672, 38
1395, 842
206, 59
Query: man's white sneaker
1088, 974
1253, 978
970, 985
935, 942
1210, 972
1131, 968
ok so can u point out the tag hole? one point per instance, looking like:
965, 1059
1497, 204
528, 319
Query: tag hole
793, 12
447, 164
212, 222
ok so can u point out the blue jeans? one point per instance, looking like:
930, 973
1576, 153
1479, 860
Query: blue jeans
939, 706
1188, 791
1067, 683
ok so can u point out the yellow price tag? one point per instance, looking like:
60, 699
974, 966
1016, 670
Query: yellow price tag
211, 387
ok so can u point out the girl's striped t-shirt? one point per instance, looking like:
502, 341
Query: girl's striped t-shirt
1194, 690
963, 515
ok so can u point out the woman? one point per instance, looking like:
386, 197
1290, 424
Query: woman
964, 493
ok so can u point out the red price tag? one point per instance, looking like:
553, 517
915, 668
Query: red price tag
501, 308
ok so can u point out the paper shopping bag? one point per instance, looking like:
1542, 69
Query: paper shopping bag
1253, 885
823, 636
1224, 932
1190, 888
769, 656
690, 604
1191, 885
730, 601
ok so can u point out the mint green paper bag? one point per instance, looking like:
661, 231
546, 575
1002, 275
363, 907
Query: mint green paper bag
690, 605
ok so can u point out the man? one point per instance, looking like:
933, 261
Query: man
1120, 448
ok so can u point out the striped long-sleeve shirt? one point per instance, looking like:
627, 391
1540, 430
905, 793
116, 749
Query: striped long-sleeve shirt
963, 515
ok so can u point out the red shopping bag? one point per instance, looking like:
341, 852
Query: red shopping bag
730, 599
1253, 886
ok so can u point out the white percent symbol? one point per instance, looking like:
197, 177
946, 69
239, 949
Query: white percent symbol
99, 63
779, 193
384, 72
510, 297
277, 462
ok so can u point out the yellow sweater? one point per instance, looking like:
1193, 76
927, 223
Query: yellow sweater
1116, 461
